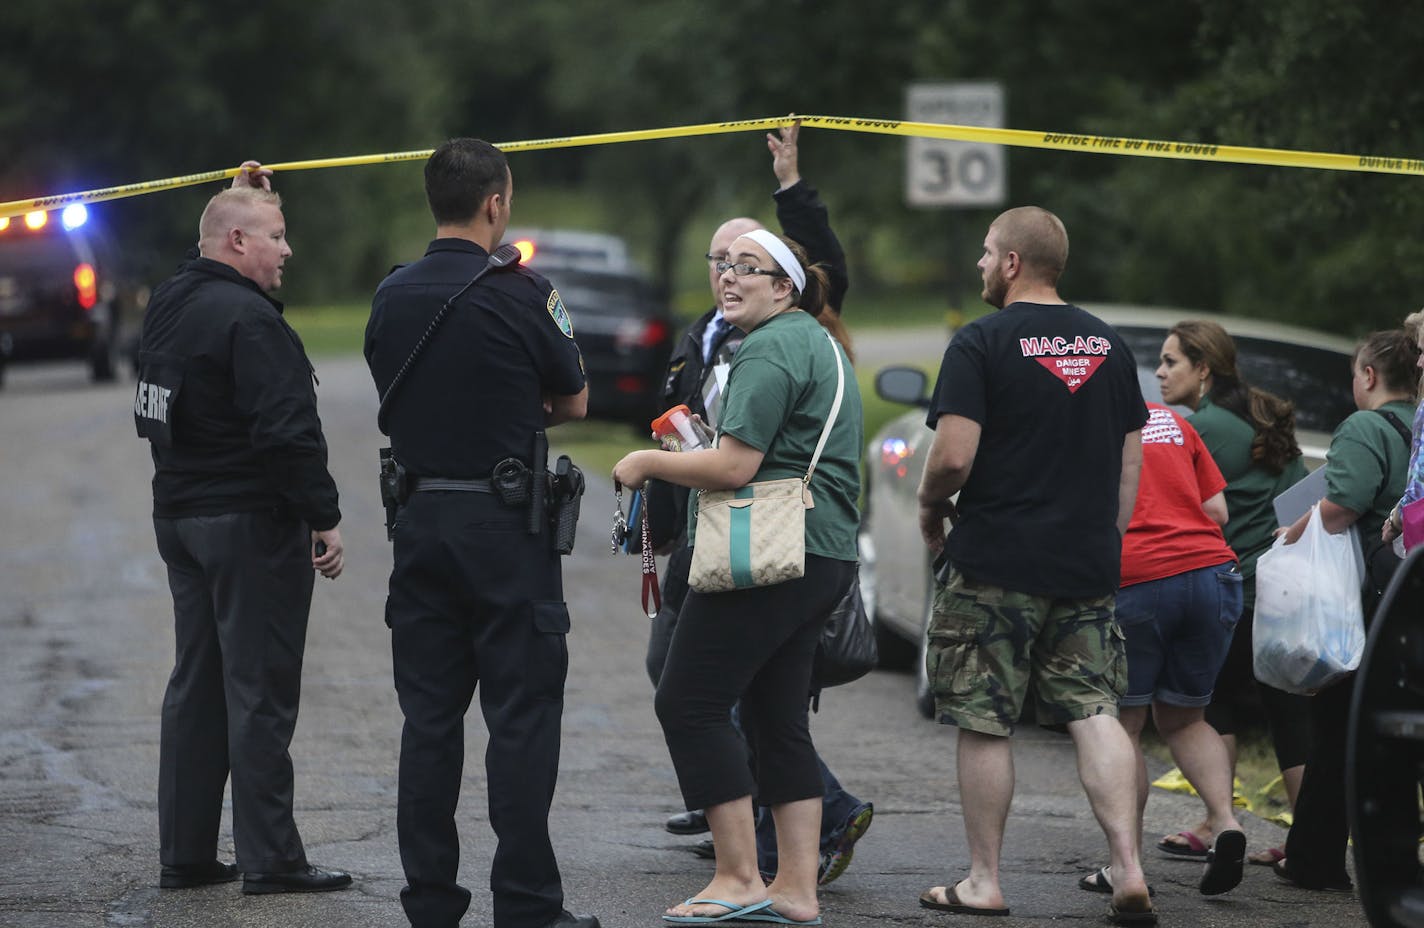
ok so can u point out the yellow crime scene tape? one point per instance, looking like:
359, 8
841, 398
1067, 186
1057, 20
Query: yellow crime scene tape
1019, 138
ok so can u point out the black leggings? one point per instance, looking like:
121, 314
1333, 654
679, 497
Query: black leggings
1318, 841
755, 645
1239, 700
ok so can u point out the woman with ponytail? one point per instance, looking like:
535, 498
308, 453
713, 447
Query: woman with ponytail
1251, 436
756, 646
1365, 474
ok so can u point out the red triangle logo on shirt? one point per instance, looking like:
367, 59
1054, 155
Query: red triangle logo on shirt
1073, 370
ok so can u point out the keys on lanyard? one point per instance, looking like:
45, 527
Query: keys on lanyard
652, 595
619, 535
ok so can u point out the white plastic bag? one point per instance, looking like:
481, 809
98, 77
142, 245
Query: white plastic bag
1309, 627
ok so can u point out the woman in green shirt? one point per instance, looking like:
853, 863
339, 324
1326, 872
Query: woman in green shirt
757, 645
1251, 436
1365, 473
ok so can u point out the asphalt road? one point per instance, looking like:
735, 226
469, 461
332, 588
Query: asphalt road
86, 638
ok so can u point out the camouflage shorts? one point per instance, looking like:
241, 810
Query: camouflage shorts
986, 644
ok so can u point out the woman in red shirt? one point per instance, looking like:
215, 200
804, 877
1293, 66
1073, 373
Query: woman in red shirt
1177, 606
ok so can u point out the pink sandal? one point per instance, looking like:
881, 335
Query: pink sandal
1194, 846
1268, 857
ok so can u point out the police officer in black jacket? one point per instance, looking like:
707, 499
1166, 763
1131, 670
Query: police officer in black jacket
476, 593
244, 510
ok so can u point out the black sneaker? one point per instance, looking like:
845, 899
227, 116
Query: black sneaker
688, 823
836, 856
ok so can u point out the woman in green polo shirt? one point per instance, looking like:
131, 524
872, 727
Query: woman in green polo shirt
1365, 473
1251, 436
758, 644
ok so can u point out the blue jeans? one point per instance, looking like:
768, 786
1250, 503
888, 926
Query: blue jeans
836, 808
1178, 631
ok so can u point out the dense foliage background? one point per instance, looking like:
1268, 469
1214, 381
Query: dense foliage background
104, 92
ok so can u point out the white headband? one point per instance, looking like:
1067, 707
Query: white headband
780, 254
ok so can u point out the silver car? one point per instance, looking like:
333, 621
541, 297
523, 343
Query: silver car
1308, 367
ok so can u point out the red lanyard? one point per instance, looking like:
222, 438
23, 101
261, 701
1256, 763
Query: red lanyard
650, 566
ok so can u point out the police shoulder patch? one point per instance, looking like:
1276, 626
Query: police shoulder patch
559, 314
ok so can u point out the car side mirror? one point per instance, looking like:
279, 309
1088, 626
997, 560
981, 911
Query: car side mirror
907, 385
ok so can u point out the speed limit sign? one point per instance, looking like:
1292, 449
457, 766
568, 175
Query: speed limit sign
944, 173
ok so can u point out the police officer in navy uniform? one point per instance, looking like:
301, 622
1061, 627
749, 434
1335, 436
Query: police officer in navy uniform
475, 597
244, 510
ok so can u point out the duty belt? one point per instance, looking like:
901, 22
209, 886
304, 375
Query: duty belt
427, 484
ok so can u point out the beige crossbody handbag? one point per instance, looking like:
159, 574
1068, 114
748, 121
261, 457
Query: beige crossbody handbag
756, 535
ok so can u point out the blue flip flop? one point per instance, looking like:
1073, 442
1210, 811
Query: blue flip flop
734, 911
768, 914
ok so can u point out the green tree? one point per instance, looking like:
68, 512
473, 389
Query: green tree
118, 92
1333, 249
108, 92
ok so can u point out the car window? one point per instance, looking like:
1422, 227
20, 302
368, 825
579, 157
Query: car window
603, 295
566, 249
1151, 392
1316, 380
43, 253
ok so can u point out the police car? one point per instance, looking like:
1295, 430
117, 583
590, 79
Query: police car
59, 295
1308, 367
623, 329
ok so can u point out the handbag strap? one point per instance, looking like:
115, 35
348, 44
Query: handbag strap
1405, 435
1399, 427
835, 409
1374, 586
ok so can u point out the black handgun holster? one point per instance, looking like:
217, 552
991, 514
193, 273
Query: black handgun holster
564, 496
395, 489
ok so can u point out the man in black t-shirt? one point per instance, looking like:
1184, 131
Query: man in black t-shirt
1037, 417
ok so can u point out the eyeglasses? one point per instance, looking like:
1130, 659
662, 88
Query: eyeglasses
742, 270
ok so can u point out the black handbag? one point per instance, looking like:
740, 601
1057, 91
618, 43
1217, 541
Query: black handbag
847, 650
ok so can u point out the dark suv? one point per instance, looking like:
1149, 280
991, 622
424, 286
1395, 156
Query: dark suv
59, 291
623, 328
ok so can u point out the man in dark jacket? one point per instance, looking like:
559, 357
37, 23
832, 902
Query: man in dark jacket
244, 510
692, 379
